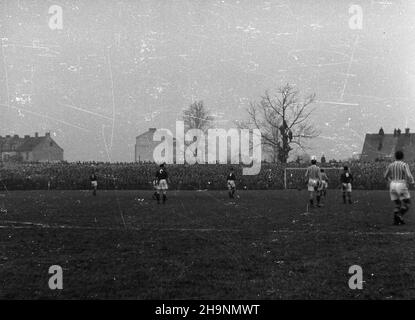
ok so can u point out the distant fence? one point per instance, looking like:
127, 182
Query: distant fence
74, 176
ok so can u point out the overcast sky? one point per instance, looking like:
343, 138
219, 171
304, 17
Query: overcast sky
117, 68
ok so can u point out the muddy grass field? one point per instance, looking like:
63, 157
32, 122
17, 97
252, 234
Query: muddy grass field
200, 245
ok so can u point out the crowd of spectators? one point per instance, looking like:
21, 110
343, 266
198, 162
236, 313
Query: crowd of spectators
75, 175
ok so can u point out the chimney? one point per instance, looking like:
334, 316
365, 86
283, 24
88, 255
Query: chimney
152, 129
8, 136
26, 136
16, 136
406, 130
47, 134
36, 134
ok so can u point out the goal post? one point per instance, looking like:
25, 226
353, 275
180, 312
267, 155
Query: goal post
294, 178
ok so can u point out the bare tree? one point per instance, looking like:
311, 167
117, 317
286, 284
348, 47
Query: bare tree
197, 116
283, 120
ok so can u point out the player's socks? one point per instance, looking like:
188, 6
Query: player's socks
398, 219
318, 200
344, 198
403, 210
395, 219
164, 198
404, 207
158, 197
311, 202
398, 216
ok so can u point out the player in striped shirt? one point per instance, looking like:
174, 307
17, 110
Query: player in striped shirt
313, 176
324, 184
398, 175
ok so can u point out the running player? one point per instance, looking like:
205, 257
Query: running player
346, 179
398, 175
94, 183
313, 176
231, 183
162, 177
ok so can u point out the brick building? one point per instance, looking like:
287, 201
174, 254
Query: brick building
382, 146
30, 149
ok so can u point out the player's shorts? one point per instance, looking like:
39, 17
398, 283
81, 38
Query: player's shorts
231, 184
399, 190
313, 184
347, 187
163, 184
94, 184
323, 185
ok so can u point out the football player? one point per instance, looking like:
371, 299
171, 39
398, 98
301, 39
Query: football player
313, 180
94, 183
399, 175
155, 188
162, 177
346, 179
231, 178
324, 184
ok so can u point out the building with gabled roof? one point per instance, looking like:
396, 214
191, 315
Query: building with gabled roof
382, 146
145, 145
30, 149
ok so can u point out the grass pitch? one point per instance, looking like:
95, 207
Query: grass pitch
201, 245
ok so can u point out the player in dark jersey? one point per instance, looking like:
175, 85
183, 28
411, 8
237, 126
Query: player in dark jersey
346, 179
231, 178
94, 183
162, 177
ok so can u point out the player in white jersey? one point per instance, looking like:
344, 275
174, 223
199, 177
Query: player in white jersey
399, 175
313, 176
